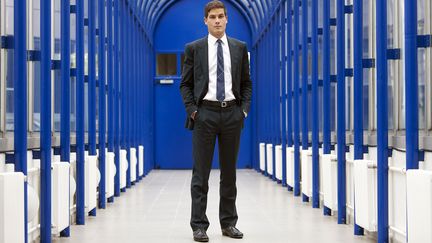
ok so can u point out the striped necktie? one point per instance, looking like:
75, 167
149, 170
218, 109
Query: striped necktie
220, 84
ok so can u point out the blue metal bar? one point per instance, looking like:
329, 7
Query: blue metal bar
92, 78
65, 89
20, 98
110, 81
411, 85
341, 111
358, 89
382, 121
274, 95
134, 96
128, 93
304, 93
116, 99
326, 77
102, 100
123, 76
315, 123
80, 214
45, 131
289, 73
296, 101
283, 93
265, 94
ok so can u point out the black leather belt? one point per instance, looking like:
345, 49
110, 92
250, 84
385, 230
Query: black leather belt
219, 104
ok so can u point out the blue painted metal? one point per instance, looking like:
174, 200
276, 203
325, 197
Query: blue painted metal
274, 95
92, 78
135, 94
296, 101
411, 86
20, 98
341, 112
284, 92
424, 41
102, 100
326, 78
304, 95
45, 131
382, 121
315, 111
289, 73
123, 75
65, 90
80, 191
358, 90
116, 68
110, 72
127, 92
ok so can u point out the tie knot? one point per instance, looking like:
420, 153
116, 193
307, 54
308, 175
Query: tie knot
219, 41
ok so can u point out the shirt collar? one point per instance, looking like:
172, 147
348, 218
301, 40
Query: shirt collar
212, 40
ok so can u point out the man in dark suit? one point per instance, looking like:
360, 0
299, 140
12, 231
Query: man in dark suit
216, 90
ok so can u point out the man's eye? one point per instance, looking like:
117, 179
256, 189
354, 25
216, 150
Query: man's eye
212, 17
221, 16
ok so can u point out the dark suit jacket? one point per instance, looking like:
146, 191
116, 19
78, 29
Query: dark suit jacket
195, 75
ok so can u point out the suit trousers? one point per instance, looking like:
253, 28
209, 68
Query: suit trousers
225, 124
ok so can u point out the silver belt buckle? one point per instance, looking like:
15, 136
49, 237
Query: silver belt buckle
223, 104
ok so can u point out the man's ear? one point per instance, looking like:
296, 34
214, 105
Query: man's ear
205, 20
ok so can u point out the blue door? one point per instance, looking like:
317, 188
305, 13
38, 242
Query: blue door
183, 22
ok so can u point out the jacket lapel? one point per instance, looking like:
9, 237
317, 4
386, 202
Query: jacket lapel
204, 58
233, 54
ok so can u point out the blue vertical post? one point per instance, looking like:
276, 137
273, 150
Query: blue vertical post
117, 103
326, 84
91, 83
110, 81
382, 121
123, 76
274, 100
135, 95
127, 91
80, 213
277, 67
45, 133
341, 111
283, 93
65, 89
296, 101
326, 78
20, 98
315, 123
304, 90
45, 122
289, 89
102, 100
265, 99
91, 77
411, 85
305, 81
358, 89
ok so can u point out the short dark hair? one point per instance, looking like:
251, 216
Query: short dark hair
213, 5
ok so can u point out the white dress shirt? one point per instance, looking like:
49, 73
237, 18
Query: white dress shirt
212, 61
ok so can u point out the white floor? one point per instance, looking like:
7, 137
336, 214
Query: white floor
157, 209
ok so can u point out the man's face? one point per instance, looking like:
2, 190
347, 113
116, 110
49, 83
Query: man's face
216, 22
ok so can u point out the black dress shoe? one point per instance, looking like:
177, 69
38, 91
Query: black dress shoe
200, 235
232, 232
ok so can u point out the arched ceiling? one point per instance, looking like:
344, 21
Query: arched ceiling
255, 12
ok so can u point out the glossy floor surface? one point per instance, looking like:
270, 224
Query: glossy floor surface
157, 209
